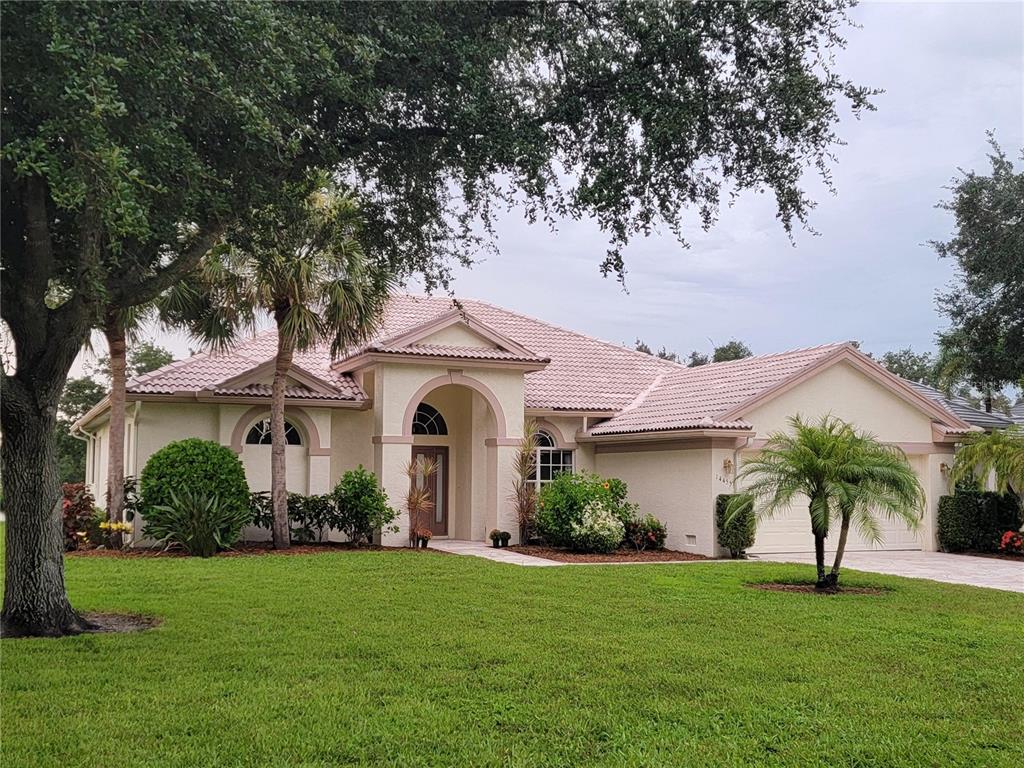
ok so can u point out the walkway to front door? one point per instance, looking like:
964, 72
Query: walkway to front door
479, 549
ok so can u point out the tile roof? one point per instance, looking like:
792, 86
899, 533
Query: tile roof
584, 373
697, 398
451, 350
1017, 412
961, 407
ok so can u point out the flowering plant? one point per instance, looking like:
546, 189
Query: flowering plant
1012, 543
598, 529
110, 527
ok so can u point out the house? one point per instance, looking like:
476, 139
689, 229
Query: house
456, 381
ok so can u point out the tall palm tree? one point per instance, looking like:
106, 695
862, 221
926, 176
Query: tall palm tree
1000, 452
300, 260
845, 475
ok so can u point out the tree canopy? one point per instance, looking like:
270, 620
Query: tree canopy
137, 134
984, 344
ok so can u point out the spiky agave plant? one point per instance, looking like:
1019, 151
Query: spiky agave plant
846, 476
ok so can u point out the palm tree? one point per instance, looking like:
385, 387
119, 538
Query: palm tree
845, 475
1000, 452
300, 260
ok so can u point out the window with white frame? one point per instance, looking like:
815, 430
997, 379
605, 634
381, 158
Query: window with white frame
551, 460
259, 434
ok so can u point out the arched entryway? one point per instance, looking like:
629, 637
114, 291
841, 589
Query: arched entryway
454, 422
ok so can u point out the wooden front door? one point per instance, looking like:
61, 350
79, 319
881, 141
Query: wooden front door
437, 485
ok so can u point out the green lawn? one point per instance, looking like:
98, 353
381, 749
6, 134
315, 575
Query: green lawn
425, 659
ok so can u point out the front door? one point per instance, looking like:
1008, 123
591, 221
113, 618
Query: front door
437, 485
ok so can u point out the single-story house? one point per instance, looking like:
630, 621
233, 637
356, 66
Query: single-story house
455, 381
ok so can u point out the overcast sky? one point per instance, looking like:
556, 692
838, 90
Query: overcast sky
950, 72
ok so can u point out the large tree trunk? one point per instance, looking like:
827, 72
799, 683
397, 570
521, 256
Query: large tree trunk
278, 487
35, 599
844, 531
114, 331
46, 341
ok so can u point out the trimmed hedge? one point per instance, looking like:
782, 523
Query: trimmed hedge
971, 520
738, 535
201, 466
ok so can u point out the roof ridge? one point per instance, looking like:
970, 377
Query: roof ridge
829, 345
619, 347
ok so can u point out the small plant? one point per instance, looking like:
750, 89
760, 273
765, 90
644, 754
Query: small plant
201, 525
423, 537
737, 524
78, 512
505, 537
598, 530
647, 532
1012, 543
524, 494
495, 537
361, 506
417, 499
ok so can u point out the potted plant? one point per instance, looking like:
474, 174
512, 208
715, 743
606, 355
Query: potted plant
423, 537
495, 537
505, 537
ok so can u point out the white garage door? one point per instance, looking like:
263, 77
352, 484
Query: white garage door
791, 532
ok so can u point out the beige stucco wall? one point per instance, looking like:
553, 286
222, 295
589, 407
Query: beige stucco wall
844, 391
675, 486
849, 394
456, 335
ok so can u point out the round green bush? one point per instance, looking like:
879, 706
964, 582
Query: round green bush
561, 503
737, 525
202, 467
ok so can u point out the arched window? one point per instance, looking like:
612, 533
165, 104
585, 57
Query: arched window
551, 460
428, 421
259, 434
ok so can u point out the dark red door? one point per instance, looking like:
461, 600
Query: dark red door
437, 485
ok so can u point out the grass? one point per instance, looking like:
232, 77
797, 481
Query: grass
411, 658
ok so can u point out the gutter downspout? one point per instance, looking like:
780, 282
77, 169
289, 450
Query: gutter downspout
736, 460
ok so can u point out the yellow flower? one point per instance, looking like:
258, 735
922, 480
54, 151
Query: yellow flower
606, 486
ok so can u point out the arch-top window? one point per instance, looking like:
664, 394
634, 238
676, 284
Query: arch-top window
428, 421
551, 460
259, 434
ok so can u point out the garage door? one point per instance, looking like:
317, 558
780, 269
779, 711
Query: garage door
791, 532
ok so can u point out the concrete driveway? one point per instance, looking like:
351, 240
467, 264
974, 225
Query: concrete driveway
938, 566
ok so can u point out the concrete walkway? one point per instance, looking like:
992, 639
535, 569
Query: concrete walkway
938, 566
486, 551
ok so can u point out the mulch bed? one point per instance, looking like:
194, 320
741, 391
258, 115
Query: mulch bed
623, 555
119, 622
252, 549
808, 589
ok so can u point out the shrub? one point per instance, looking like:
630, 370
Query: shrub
972, 520
78, 510
361, 506
598, 529
1012, 543
201, 467
308, 516
562, 501
201, 525
735, 531
646, 532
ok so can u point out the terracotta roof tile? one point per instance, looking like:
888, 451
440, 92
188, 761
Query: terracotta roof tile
697, 398
451, 350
